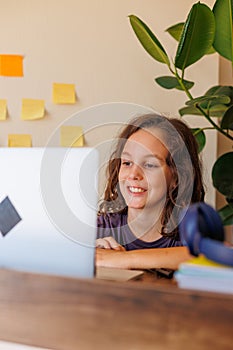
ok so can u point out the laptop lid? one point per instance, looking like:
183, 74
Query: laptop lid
48, 205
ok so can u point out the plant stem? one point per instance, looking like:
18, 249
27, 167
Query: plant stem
215, 126
213, 123
202, 129
180, 80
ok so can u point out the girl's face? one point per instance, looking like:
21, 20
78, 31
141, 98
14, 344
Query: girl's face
144, 175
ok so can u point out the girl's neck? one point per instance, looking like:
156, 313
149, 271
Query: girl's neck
145, 224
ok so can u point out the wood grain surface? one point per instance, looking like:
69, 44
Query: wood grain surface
66, 314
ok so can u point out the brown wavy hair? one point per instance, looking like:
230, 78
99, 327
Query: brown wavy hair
183, 161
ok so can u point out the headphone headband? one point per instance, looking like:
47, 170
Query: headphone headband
202, 231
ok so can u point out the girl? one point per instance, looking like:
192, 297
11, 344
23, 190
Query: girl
154, 172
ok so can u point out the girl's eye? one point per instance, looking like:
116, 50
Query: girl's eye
126, 162
151, 165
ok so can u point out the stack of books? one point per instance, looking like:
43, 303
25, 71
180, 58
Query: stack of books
201, 273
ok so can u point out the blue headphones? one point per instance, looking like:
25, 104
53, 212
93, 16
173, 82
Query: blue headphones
202, 231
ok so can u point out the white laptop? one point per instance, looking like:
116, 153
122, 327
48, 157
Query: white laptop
48, 205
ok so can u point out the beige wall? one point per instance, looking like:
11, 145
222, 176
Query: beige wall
91, 44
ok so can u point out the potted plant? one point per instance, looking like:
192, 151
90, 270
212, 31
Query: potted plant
205, 31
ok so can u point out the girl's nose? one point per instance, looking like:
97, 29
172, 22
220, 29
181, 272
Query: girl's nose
135, 173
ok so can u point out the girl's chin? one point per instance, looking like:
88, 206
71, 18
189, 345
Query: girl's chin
136, 202
134, 205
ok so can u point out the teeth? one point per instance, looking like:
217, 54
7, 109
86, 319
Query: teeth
136, 189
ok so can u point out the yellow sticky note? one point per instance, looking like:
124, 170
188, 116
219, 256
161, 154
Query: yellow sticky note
11, 65
71, 136
63, 93
19, 140
3, 110
32, 109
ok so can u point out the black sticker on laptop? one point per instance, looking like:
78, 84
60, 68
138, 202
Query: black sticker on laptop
9, 217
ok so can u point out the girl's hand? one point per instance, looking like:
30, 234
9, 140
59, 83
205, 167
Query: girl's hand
108, 243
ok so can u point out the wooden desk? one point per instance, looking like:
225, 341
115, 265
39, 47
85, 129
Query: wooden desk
62, 313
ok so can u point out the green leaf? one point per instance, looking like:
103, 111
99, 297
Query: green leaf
213, 90
216, 100
189, 110
226, 91
220, 90
205, 100
222, 174
223, 43
227, 120
197, 36
217, 110
176, 30
211, 51
198, 100
226, 215
168, 82
148, 40
200, 137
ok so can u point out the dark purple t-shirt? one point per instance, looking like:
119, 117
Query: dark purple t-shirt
115, 225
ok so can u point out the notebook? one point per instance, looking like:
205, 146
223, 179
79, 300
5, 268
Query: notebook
117, 274
48, 205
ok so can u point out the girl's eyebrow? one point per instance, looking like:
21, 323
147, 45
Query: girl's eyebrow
126, 154
150, 155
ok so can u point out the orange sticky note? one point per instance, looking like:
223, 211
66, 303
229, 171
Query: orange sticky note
3, 110
19, 140
71, 136
32, 109
11, 65
63, 93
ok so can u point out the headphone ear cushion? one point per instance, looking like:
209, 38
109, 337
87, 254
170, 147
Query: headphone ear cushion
199, 220
202, 231
210, 223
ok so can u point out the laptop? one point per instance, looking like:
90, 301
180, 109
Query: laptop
48, 206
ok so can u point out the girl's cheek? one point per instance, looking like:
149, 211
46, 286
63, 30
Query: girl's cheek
122, 174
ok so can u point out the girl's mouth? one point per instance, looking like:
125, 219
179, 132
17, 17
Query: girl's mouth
133, 189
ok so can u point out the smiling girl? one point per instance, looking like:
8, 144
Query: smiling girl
154, 172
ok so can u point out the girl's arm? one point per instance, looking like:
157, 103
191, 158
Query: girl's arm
169, 258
